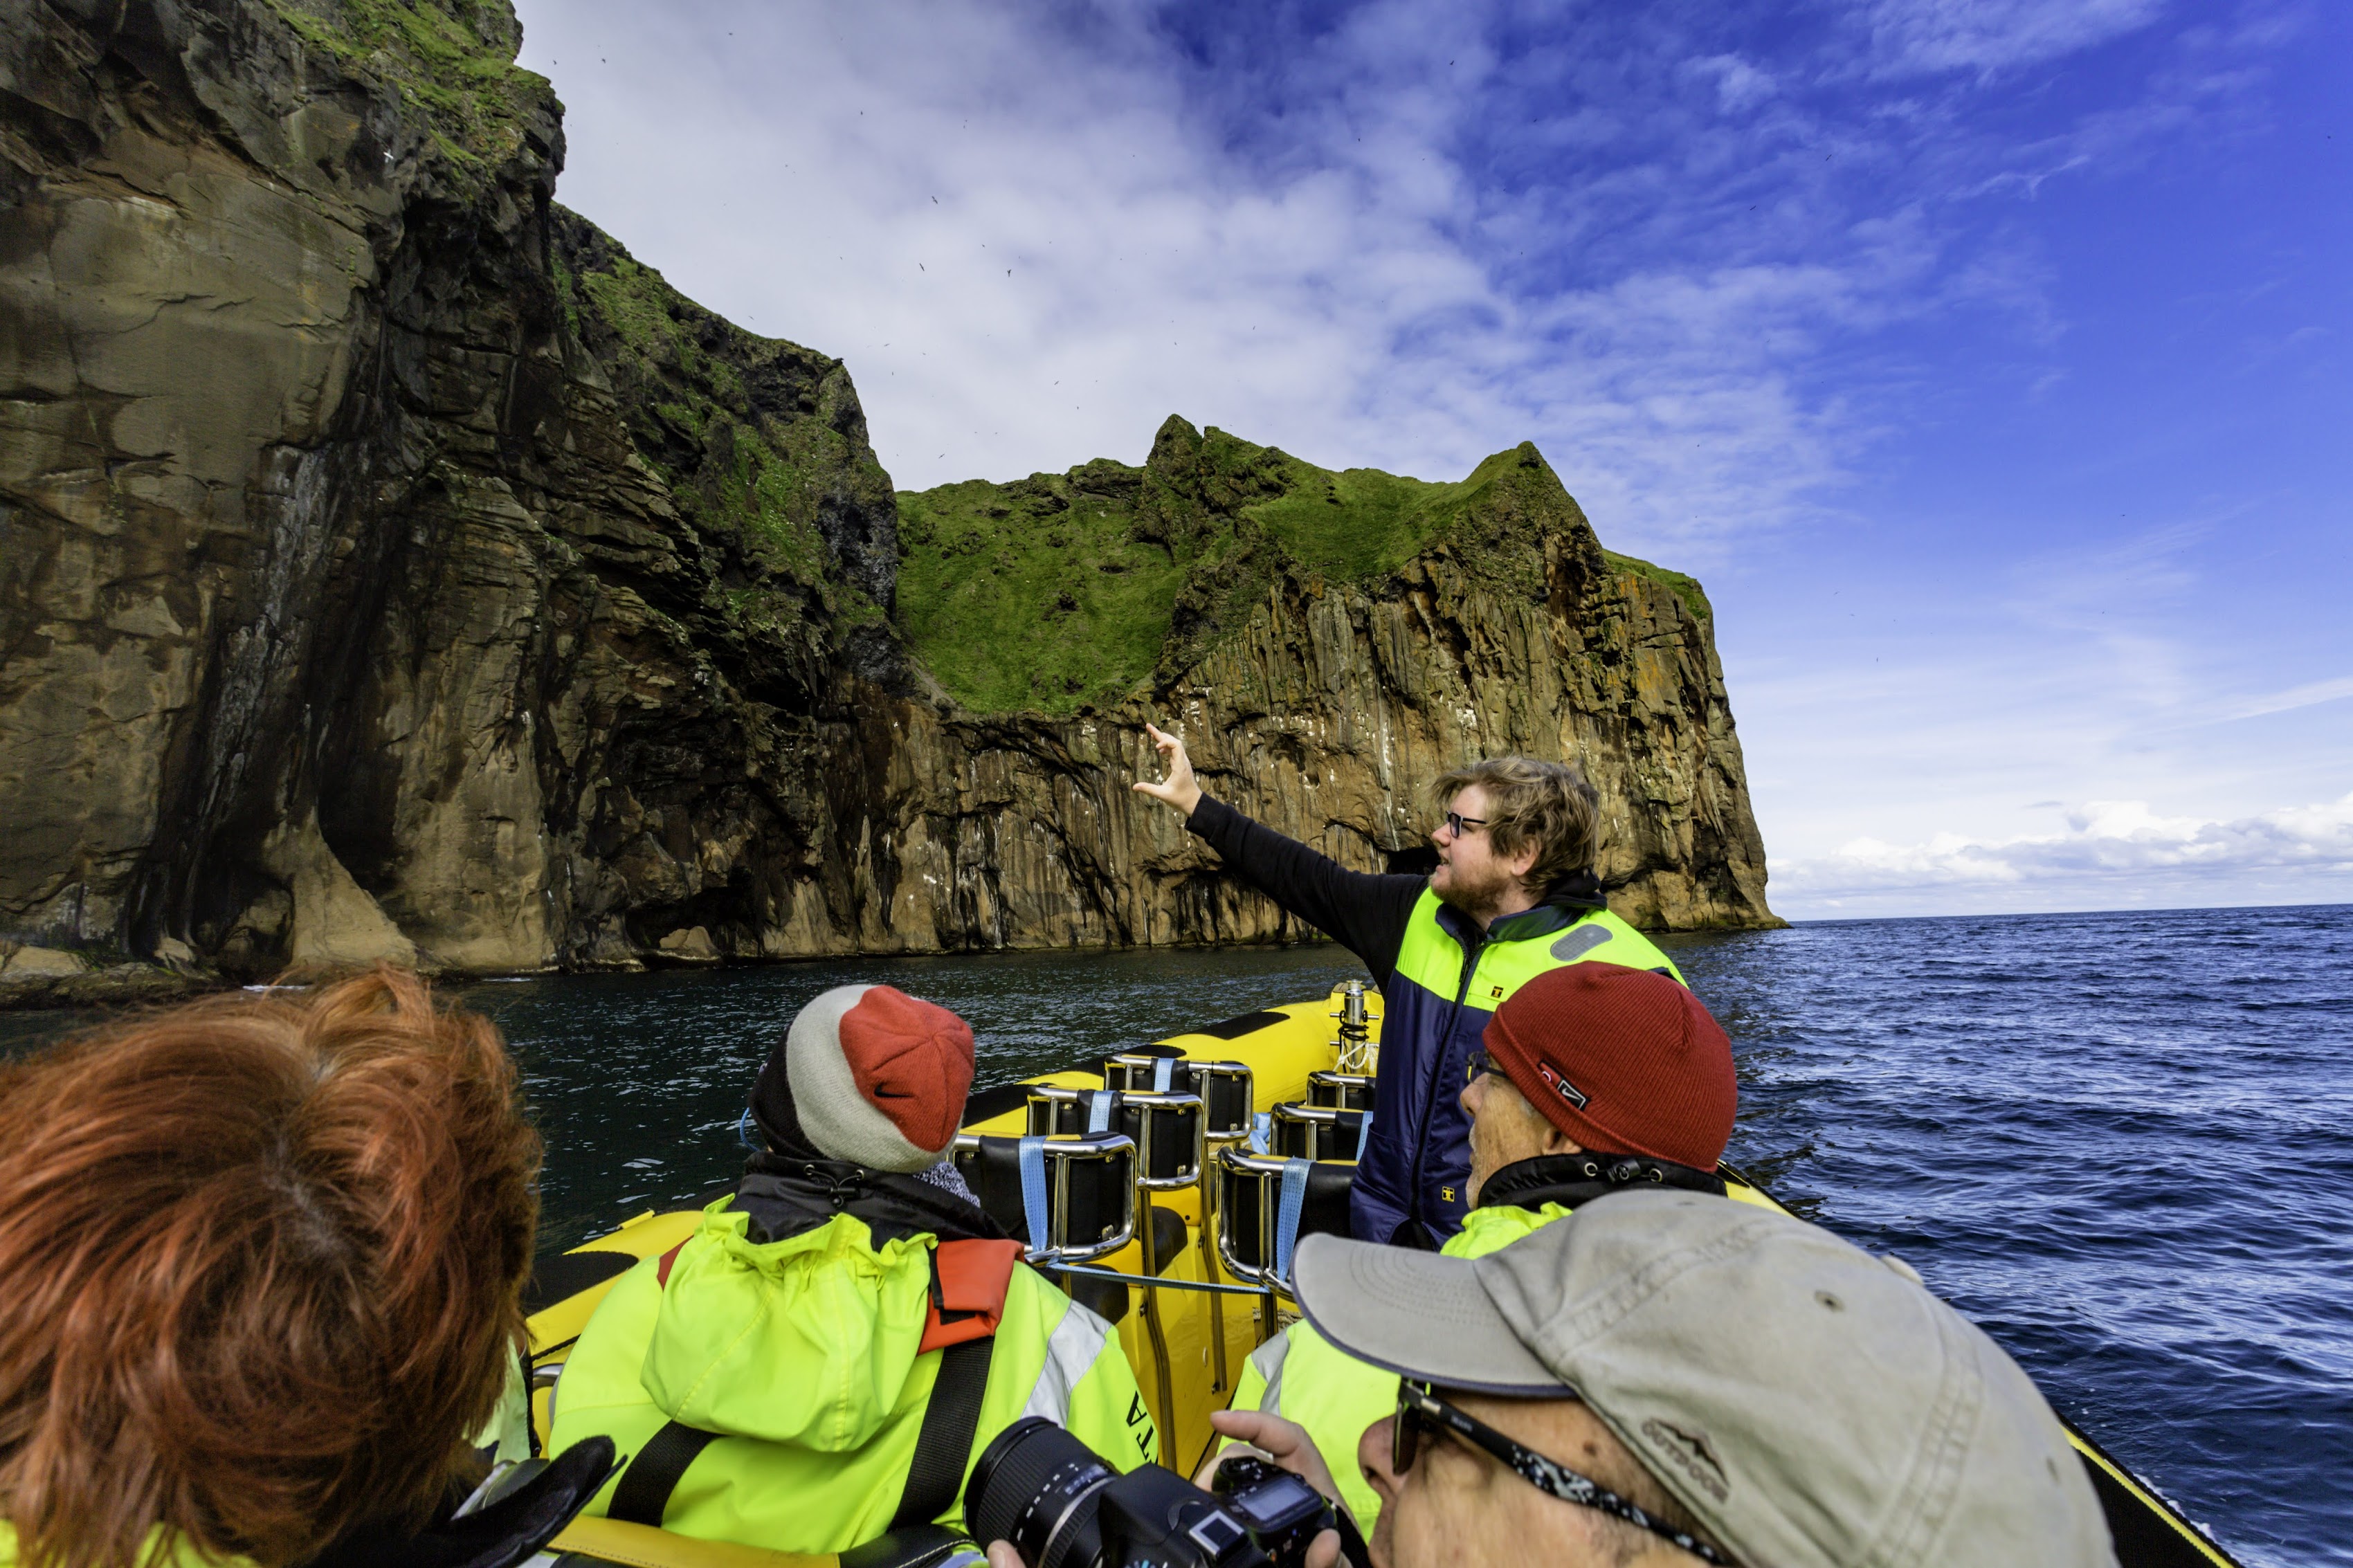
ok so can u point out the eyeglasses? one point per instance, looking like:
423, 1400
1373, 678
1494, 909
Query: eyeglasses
1458, 824
1418, 1411
1479, 1065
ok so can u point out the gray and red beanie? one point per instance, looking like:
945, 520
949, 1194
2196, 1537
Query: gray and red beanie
1625, 1061
868, 1074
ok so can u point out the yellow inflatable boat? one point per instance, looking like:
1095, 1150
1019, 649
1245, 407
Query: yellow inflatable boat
1218, 1149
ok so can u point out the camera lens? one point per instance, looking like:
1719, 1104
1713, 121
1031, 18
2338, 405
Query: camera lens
1036, 1487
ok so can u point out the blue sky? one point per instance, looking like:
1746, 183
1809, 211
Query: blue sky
1987, 358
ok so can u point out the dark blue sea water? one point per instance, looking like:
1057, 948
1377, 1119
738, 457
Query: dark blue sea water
2123, 1144
2119, 1141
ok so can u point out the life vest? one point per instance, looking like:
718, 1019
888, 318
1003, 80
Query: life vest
1304, 1378
1449, 978
803, 1378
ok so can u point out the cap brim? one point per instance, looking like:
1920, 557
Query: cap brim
1416, 1315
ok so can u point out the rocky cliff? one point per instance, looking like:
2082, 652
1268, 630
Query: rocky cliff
390, 566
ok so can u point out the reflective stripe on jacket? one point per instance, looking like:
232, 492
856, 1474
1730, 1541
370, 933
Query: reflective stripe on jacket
1301, 1377
1449, 979
801, 1353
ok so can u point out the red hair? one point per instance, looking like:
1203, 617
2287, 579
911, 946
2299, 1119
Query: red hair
264, 1258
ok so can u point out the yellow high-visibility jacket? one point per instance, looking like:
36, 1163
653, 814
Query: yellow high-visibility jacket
802, 1355
1301, 1377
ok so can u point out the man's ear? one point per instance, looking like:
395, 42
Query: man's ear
1524, 860
1559, 1143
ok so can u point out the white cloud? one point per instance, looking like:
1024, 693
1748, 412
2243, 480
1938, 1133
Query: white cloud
1997, 34
2123, 848
1738, 84
2310, 695
1717, 289
1022, 278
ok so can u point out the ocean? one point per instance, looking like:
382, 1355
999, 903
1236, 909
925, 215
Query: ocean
2119, 1141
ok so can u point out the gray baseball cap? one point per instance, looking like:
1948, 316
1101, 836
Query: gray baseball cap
1809, 1403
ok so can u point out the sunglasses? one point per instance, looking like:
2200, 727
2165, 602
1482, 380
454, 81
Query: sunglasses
1420, 1413
1458, 824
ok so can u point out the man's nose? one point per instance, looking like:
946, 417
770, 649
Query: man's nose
1469, 1098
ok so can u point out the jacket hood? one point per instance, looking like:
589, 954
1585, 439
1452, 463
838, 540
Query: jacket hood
807, 1341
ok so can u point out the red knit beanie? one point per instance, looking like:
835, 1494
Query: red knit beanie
1625, 1061
878, 1077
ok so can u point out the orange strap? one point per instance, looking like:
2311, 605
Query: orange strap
969, 1279
661, 1269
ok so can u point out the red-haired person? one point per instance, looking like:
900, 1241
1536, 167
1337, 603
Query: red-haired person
264, 1258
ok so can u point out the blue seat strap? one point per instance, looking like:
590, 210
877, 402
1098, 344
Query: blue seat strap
1364, 1131
1031, 1156
1098, 1111
1163, 1072
1262, 1130
1286, 1223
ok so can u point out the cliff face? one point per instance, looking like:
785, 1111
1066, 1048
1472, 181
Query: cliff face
389, 567
1329, 643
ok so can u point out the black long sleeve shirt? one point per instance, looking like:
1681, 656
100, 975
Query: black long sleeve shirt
1363, 912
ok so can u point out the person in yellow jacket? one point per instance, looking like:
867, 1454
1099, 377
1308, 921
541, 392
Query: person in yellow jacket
1513, 896
1594, 1077
828, 1355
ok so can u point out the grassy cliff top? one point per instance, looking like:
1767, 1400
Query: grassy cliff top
1062, 590
1686, 588
453, 60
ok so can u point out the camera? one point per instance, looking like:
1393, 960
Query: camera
1063, 1507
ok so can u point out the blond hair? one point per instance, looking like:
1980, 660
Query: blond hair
1529, 801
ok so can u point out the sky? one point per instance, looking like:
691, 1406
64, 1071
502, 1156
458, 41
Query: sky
1988, 360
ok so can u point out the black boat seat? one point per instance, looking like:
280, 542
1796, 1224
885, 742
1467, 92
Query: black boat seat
1086, 1186
1225, 1087
1166, 1127
1316, 1133
1265, 1205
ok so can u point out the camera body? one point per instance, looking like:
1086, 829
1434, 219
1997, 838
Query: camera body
1063, 1507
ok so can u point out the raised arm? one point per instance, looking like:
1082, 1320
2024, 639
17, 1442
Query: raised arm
1365, 912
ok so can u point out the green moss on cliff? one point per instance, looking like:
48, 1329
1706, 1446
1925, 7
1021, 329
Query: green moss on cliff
453, 60
1685, 588
1065, 589
759, 441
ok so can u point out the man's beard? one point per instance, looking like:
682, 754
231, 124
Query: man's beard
1480, 899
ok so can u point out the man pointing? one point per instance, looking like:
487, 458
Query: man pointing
1515, 896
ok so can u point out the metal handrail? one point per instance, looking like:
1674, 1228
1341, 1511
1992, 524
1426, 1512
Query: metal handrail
1127, 1064
1130, 1072
1239, 1162
1152, 1108
1057, 1094
1199, 1287
1321, 1121
1337, 1086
